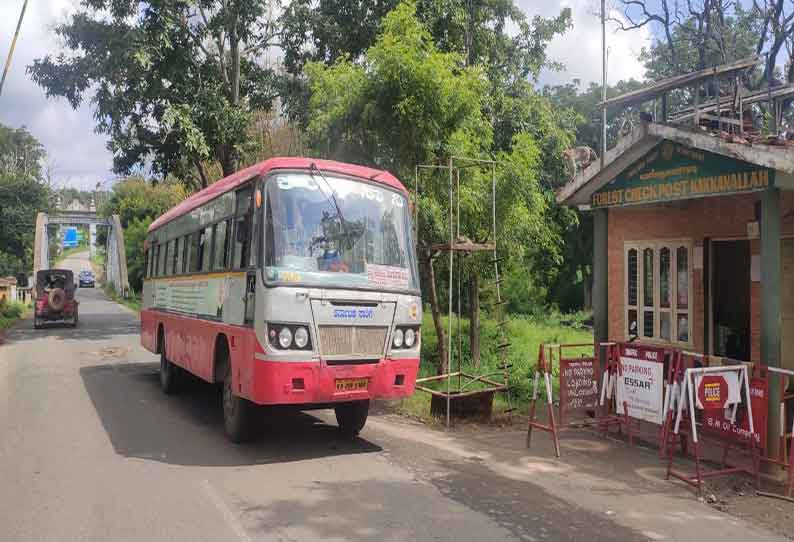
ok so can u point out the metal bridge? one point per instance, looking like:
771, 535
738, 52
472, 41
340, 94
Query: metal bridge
116, 257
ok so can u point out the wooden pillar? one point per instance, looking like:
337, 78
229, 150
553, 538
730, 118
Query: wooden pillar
600, 276
770, 306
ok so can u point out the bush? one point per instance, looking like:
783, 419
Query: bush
10, 313
525, 335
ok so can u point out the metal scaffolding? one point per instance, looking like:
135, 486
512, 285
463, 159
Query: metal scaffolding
461, 246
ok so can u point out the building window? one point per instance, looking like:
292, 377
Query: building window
657, 297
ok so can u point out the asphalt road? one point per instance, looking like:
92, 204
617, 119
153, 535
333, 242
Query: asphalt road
91, 450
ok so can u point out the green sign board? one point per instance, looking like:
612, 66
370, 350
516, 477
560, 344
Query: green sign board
673, 172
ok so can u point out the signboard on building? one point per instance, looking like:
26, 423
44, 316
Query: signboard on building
671, 171
641, 383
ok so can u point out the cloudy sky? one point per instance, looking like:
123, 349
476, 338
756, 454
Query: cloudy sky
77, 156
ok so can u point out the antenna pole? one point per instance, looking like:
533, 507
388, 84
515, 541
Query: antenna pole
603, 82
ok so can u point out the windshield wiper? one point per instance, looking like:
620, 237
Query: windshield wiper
331, 196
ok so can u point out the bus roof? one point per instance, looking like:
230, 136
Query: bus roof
236, 179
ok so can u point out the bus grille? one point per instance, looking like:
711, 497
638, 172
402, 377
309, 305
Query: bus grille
352, 341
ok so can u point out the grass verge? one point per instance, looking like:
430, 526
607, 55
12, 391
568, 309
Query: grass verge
133, 302
11, 312
525, 334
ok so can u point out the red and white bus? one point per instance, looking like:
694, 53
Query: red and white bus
291, 282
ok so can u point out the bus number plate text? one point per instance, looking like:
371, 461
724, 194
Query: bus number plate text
352, 384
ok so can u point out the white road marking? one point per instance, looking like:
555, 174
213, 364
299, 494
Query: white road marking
228, 516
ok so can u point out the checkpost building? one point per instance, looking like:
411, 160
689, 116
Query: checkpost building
694, 225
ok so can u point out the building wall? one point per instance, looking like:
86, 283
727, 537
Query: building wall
724, 217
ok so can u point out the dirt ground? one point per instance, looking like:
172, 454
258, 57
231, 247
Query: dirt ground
734, 495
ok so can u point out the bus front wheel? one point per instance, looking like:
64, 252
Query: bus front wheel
351, 417
238, 412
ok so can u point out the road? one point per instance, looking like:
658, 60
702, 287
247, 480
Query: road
92, 451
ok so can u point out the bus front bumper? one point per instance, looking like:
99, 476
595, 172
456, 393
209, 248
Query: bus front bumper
283, 383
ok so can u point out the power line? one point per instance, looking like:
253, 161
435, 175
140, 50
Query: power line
13, 46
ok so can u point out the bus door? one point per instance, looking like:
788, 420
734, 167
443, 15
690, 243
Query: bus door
246, 253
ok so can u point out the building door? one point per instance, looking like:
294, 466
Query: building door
787, 303
730, 299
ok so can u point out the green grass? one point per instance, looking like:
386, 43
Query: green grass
11, 312
524, 334
133, 302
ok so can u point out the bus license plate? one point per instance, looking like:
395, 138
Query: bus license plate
352, 384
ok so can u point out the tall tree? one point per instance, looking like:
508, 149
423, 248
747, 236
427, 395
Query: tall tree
23, 193
173, 82
406, 102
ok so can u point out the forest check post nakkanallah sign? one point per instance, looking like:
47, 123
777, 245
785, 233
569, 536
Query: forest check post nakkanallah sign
671, 171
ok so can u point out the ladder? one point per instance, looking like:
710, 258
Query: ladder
502, 321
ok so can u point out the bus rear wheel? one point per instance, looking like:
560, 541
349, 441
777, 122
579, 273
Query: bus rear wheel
351, 417
169, 374
238, 412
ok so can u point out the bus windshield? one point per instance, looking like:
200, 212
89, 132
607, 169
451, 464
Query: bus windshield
331, 231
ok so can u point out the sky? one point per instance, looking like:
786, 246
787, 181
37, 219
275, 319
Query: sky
77, 156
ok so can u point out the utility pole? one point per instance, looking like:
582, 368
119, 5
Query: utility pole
603, 82
13, 46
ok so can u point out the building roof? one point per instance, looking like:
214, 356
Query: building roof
664, 85
578, 191
233, 181
726, 102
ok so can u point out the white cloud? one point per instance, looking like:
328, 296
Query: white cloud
77, 155
580, 48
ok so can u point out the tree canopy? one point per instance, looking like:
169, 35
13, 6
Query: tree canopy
23, 193
173, 83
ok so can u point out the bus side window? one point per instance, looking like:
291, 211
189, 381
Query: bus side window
200, 250
241, 236
242, 228
178, 256
157, 261
146, 263
186, 248
172, 254
219, 258
195, 251
206, 251
255, 238
169, 249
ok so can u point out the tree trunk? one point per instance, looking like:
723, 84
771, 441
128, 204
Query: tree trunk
439, 325
474, 319
201, 172
587, 283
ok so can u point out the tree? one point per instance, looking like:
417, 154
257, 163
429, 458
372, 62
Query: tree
138, 203
401, 105
406, 102
23, 193
173, 82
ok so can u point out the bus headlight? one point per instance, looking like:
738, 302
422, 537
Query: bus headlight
301, 337
397, 339
285, 337
289, 336
410, 338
